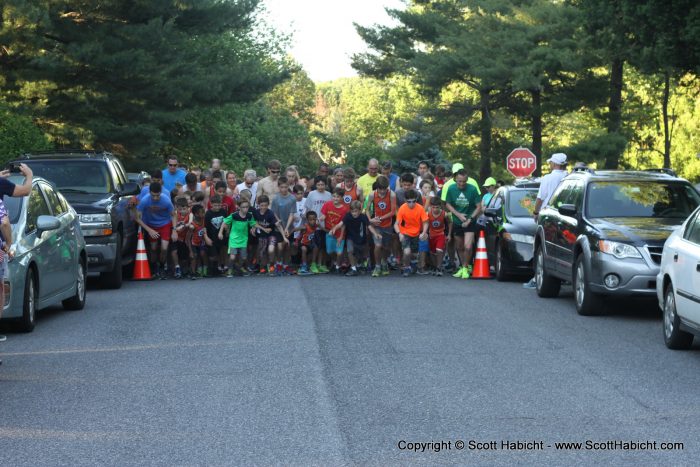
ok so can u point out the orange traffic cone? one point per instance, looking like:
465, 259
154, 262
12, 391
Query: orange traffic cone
142, 271
481, 262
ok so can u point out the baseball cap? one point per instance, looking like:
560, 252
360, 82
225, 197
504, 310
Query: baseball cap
456, 167
490, 182
559, 158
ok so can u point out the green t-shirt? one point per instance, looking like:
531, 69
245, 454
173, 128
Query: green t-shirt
464, 201
450, 182
238, 238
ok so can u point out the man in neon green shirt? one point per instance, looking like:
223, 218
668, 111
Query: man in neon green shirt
366, 181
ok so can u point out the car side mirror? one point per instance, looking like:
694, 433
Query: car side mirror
492, 212
46, 223
568, 210
130, 189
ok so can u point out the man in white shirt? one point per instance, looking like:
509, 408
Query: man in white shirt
249, 183
549, 183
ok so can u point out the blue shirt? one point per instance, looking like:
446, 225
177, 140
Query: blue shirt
393, 178
144, 191
169, 180
158, 213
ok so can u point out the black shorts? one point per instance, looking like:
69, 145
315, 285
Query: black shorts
217, 247
279, 238
320, 239
459, 231
181, 247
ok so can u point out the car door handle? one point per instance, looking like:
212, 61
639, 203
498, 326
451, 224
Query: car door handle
697, 267
675, 257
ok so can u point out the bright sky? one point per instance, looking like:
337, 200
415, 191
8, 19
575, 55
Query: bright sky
324, 38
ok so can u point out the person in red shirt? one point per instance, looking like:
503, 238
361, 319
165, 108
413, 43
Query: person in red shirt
228, 203
332, 213
381, 208
439, 229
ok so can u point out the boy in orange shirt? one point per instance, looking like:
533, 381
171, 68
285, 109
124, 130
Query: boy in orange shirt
412, 226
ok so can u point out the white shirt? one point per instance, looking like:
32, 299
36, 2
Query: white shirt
548, 184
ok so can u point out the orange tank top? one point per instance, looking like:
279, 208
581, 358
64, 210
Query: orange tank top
308, 235
198, 233
350, 195
382, 207
182, 220
436, 224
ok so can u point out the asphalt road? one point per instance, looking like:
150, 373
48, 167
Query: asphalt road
333, 370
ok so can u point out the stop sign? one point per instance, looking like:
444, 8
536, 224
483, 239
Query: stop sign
521, 162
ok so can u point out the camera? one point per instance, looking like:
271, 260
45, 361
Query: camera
13, 167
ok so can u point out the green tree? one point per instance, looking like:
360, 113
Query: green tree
113, 74
18, 134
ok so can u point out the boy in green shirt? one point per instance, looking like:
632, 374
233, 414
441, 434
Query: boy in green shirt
240, 222
464, 202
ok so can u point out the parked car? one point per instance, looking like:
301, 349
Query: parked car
604, 231
97, 187
137, 177
50, 262
510, 230
678, 284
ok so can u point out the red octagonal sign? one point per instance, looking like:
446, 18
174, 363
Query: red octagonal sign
521, 162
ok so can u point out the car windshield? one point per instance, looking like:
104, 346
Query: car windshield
641, 199
521, 203
14, 207
88, 177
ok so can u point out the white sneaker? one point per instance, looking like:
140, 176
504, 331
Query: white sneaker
531, 284
3, 338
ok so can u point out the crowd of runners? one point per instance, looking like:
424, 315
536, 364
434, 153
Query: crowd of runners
209, 223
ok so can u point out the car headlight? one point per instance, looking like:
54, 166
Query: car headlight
520, 238
94, 218
618, 250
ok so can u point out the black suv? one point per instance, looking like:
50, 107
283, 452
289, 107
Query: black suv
96, 185
604, 231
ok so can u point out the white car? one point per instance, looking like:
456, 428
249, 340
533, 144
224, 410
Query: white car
678, 284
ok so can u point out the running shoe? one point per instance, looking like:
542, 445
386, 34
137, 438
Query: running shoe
531, 284
422, 272
460, 273
351, 272
322, 269
304, 270
178, 272
263, 270
271, 270
385, 270
406, 272
314, 269
438, 272
377, 271
288, 270
466, 274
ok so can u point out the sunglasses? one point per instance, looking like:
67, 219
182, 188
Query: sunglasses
274, 171
410, 200
172, 165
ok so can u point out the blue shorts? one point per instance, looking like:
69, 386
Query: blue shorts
423, 246
332, 245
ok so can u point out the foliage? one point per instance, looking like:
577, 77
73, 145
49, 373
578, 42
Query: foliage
113, 74
18, 135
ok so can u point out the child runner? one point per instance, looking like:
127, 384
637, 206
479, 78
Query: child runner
228, 203
240, 223
352, 190
438, 232
283, 206
198, 248
179, 250
309, 244
412, 226
296, 221
314, 202
267, 222
331, 214
381, 208
355, 224
216, 248
156, 215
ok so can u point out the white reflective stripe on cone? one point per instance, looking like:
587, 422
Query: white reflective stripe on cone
141, 256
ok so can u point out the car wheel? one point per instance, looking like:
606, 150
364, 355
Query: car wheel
77, 301
113, 279
587, 302
547, 286
500, 270
673, 336
28, 320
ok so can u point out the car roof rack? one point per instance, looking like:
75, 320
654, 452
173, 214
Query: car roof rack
65, 152
663, 170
